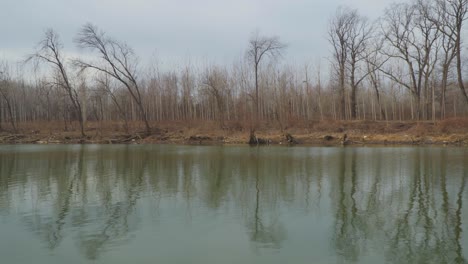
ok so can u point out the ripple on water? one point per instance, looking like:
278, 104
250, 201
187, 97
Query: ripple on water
111, 204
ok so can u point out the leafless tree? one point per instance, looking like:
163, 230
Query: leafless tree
360, 34
437, 14
450, 20
105, 84
50, 52
397, 73
216, 82
260, 47
115, 59
411, 49
430, 36
339, 35
374, 62
6, 93
187, 83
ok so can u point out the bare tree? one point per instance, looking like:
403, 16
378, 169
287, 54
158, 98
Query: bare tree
401, 75
411, 49
451, 16
50, 52
437, 14
116, 59
374, 62
105, 84
430, 36
360, 34
216, 82
319, 89
339, 34
187, 83
6, 93
260, 47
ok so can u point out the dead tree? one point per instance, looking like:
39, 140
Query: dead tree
116, 59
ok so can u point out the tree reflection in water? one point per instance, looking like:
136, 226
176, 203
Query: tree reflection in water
264, 233
406, 203
410, 214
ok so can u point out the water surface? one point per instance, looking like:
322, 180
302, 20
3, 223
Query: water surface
198, 204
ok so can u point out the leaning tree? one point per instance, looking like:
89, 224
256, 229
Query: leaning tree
50, 52
116, 59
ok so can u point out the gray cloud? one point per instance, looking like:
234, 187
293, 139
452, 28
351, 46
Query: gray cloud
212, 30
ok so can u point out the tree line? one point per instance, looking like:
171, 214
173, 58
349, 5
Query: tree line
406, 65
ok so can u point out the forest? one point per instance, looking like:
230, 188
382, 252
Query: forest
406, 66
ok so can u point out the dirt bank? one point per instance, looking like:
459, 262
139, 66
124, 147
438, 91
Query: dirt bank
447, 132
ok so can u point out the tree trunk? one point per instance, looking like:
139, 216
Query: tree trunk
10, 113
353, 102
145, 119
342, 94
256, 95
443, 90
417, 107
1, 115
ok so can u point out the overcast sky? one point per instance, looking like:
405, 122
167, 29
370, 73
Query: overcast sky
179, 30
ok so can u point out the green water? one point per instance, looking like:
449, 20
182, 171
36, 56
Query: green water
198, 204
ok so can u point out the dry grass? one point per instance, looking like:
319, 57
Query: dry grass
313, 132
453, 125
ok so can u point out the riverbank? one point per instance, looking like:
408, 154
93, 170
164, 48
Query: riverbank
447, 132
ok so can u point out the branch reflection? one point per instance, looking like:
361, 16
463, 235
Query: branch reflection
406, 203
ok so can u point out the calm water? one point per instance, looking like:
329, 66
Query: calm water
187, 204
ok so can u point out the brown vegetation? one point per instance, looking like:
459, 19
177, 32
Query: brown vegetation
400, 75
450, 131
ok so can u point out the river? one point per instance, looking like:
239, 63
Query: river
232, 204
